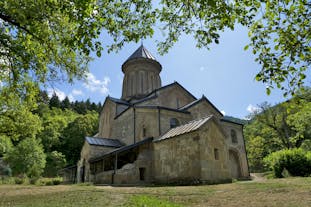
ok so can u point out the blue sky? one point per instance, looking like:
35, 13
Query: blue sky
224, 74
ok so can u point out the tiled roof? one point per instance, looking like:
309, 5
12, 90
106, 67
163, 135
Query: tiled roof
103, 142
186, 128
141, 52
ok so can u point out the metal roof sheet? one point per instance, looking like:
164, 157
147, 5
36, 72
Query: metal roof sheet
122, 149
103, 142
186, 128
141, 52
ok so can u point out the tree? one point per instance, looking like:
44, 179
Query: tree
54, 101
54, 121
50, 40
280, 38
27, 158
283, 126
54, 162
18, 123
279, 33
65, 104
75, 133
5, 145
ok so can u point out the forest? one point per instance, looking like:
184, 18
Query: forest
38, 138
281, 135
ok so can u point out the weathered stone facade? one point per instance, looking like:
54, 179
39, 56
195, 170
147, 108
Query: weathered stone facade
156, 134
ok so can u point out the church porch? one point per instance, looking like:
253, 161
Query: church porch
127, 165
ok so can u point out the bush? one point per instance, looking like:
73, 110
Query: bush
295, 162
49, 181
57, 180
21, 180
7, 180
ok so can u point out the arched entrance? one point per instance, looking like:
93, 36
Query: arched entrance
82, 172
234, 164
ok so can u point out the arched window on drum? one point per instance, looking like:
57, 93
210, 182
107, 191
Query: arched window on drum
234, 137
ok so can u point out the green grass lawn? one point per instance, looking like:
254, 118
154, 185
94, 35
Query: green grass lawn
274, 192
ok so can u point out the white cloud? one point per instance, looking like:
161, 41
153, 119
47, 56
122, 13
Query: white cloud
94, 84
76, 92
61, 95
253, 109
223, 112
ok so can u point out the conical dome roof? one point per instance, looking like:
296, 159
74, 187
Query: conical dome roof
141, 52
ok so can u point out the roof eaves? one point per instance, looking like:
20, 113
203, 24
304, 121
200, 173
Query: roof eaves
164, 108
121, 149
233, 122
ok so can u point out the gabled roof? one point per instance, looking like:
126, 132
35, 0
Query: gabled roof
186, 128
186, 107
98, 141
141, 52
152, 94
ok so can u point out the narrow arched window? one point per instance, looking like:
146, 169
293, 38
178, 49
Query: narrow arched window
234, 137
144, 132
174, 122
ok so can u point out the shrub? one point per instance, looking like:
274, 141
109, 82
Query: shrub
7, 180
294, 161
57, 180
21, 180
49, 181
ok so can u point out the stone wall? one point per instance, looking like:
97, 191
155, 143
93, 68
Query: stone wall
212, 138
123, 127
141, 76
106, 118
172, 97
238, 147
177, 159
203, 109
190, 157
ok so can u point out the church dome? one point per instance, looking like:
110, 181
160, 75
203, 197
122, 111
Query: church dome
141, 74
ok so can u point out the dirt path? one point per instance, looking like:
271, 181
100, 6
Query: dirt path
258, 177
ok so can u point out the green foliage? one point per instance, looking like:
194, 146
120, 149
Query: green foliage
54, 162
294, 161
280, 38
53, 40
75, 133
283, 126
54, 121
5, 144
49, 181
27, 158
54, 101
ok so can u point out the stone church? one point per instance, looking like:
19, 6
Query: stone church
160, 134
